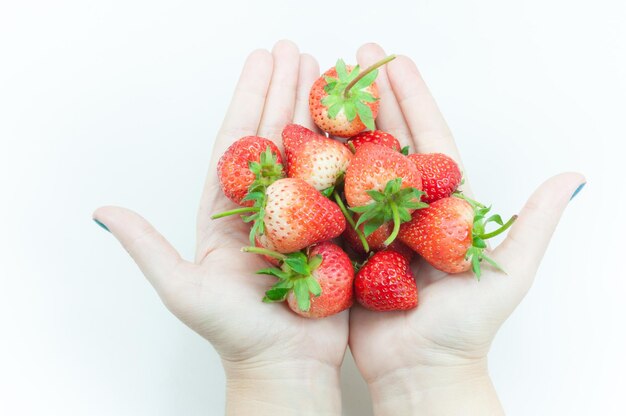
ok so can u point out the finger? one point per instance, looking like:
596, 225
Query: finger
156, 258
521, 252
309, 72
428, 128
281, 97
242, 119
390, 118
246, 106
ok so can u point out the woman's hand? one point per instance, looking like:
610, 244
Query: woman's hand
275, 361
432, 359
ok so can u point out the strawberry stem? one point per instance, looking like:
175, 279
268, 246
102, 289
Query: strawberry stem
471, 201
396, 223
265, 252
234, 212
350, 220
500, 230
367, 71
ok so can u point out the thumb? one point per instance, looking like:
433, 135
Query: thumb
521, 252
154, 255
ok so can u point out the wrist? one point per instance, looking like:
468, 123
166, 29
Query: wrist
305, 387
436, 390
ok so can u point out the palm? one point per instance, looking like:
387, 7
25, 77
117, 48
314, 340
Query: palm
253, 330
457, 317
219, 295
455, 321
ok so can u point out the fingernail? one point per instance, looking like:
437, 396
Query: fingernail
101, 225
580, 187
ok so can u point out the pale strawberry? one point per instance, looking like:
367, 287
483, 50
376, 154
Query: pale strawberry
296, 215
314, 158
382, 185
372, 167
344, 101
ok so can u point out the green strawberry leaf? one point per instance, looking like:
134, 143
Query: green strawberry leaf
315, 262
394, 203
365, 114
274, 271
334, 110
298, 263
301, 291
476, 253
295, 274
276, 295
328, 191
313, 286
366, 81
376, 195
342, 72
364, 97
349, 109
405, 150
372, 226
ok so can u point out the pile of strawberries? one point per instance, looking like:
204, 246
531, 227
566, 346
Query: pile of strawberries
339, 219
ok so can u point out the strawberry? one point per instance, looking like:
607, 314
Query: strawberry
314, 158
386, 283
450, 234
377, 137
376, 241
296, 215
243, 163
440, 175
382, 185
344, 100
289, 215
316, 283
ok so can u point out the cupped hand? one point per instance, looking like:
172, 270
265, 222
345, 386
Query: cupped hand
457, 316
219, 295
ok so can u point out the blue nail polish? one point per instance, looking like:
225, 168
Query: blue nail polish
101, 225
580, 187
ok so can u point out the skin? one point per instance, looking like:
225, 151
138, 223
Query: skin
437, 362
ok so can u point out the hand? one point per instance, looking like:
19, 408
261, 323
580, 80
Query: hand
266, 350
433, 358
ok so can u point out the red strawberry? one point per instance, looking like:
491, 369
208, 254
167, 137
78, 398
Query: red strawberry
440, 175
450, 234
386, 283
233, 168
314, 158
376, 241
316, 283
296, 216
336, 279
344, 101
377, 137
382, 185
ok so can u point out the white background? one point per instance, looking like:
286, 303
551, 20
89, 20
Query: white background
117, 102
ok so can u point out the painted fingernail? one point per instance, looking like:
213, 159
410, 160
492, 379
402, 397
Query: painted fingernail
580, 187
101, 225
